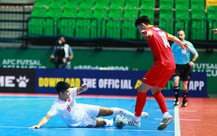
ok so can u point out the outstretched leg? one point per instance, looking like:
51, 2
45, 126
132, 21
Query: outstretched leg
103, 111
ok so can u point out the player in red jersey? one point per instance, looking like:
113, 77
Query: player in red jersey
159, 74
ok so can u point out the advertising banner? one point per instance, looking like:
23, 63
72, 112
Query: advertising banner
17, 80
110, 82
87, 59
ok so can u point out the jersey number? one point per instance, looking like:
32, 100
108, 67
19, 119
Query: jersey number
68, 108
164, 38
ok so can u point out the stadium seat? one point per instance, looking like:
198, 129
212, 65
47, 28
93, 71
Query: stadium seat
181, 5
197, 2
66, 24
117, 2
50, 25
83, 28
198, 30
102, 2
87, 2
166, 4
71, 7
83, 23
166, 20
182, 21
114, 21
74, 2
85, 11
212, 12
35, 24
115, 11
197, 7
198, 25
133, 3
212, 16
113, 28
67, 27
148, 4
35, 27
148, 12
100, 12
57, 3
166, 14
39, 11
128, 29
41, 3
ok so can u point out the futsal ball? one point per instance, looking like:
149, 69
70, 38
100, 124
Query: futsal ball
118, 121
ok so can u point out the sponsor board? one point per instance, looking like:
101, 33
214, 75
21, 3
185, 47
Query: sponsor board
105, 82
17, 80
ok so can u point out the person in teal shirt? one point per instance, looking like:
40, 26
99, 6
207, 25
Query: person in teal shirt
183, 67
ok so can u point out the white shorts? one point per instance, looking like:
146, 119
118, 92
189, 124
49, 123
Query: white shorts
92, 113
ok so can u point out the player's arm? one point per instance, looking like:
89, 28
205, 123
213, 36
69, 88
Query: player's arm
82, 88
43, 121
176, 40
191, 63
71, 55
196, 55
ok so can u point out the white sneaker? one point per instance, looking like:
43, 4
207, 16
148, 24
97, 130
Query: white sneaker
144, 114
109, 122
165, 122
131, 122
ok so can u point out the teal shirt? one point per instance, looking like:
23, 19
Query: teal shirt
183, 56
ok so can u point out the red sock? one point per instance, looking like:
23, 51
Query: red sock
161, 102
140, 103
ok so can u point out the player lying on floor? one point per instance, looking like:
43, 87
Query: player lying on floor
77, 114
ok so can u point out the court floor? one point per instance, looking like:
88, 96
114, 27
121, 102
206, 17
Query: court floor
20, 111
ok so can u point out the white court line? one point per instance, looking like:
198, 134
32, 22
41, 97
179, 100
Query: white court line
190, 119
13, 127
95, 129
177, 121
190, 111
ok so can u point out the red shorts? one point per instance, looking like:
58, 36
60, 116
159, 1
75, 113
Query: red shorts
158, 76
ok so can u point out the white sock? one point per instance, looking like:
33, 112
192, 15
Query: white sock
124, 112
136, 119
109, 122
166, 114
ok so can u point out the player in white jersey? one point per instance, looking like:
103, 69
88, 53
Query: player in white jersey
79, 115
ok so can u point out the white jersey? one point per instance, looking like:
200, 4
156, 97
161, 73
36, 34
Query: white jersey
74, 114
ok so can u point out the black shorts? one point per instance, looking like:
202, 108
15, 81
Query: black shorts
183, 71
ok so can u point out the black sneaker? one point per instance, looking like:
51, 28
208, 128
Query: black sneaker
184, 103
176, 103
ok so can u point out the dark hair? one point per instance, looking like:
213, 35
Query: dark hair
180, 30
62, 86
142, 19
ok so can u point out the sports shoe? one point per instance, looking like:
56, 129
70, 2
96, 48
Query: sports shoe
144, 114
109, 122
176, 103
165, 122
131, 122
184, 103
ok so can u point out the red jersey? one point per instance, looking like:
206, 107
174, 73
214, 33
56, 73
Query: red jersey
160, 47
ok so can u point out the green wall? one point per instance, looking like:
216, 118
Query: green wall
109, 59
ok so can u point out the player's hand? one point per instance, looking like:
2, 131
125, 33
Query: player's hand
214, 30
84, 87
34, 127
184, 46
191, 64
